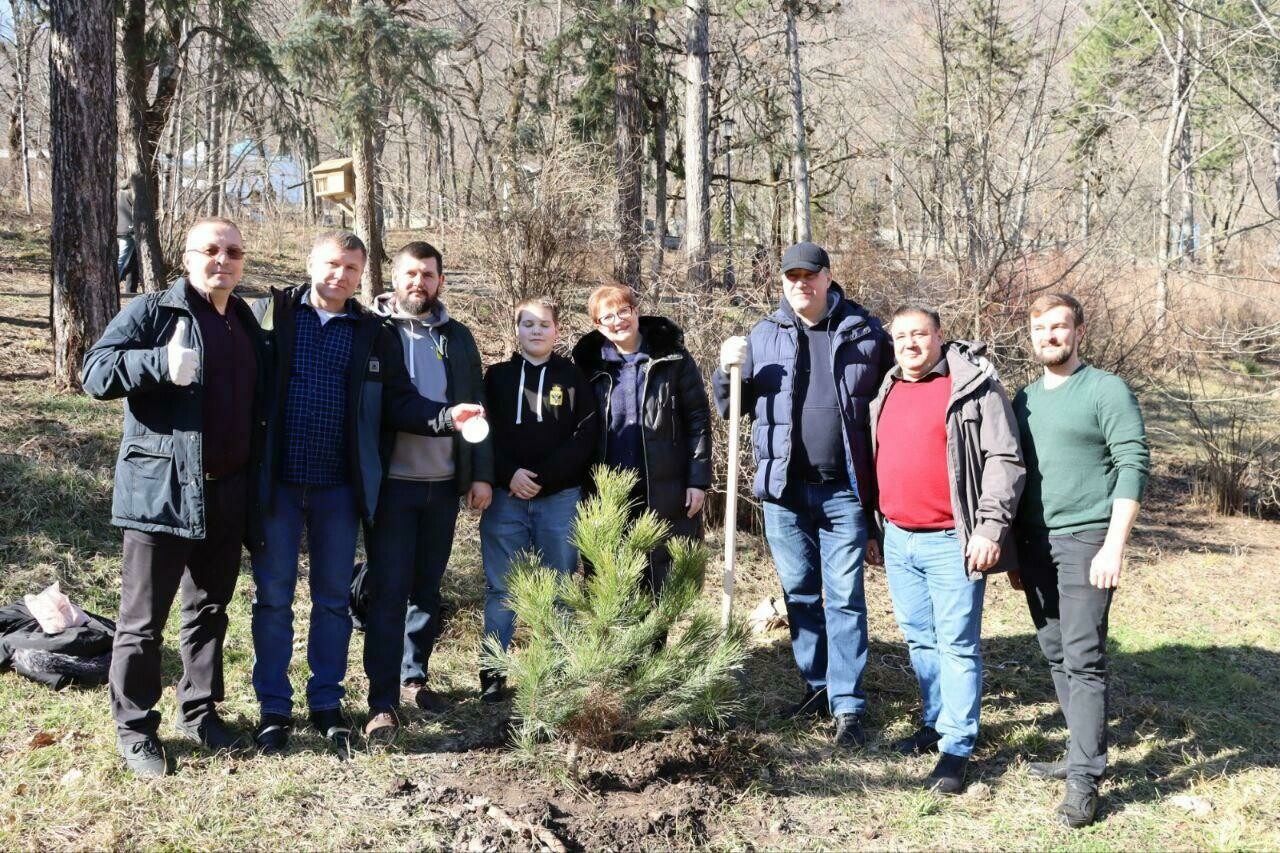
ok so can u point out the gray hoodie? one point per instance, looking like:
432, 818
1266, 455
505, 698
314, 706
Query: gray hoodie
984, 456
421, 457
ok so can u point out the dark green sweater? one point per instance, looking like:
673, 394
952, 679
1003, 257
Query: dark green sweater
1085, 446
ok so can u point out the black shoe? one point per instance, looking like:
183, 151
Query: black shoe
1079, 804
143, 757
272, 734
948, 774
849, 731
812, 704
333, 727
212, 734
924, 739
1047, 770
493, 687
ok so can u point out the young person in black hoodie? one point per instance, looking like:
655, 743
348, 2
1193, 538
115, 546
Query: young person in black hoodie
543, 416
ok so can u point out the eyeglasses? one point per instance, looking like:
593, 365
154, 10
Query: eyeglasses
615, 316
233, 253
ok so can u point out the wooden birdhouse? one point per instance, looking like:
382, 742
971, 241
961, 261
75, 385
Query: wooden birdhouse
336, 181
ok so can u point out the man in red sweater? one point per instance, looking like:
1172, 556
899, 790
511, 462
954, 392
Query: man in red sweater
950, 473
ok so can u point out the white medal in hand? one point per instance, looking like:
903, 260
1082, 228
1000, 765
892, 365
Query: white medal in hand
183, 361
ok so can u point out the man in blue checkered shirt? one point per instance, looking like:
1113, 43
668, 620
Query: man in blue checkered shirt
340, 394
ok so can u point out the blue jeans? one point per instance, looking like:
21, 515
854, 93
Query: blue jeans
332, 523
511, 525
940, 612
818, 536
409, 548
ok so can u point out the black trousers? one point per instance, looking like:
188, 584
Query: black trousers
1070, 616
156, 567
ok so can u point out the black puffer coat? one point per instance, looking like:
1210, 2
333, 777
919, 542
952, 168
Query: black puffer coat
677, 416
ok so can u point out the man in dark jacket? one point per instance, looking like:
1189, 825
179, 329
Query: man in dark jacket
412, 536
191, 365
809, 373
339, 393
950, 473
653, 411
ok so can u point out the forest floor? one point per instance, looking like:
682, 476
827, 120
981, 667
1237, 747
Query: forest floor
1195, 712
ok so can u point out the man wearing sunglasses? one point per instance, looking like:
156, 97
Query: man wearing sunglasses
191, 365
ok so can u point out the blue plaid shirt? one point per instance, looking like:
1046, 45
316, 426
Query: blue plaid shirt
315, 412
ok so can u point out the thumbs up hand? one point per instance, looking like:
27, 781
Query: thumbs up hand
183, 361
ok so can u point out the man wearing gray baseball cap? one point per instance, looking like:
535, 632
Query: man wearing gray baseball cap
809, 373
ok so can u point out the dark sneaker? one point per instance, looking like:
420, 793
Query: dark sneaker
382, 727
812, 704
849, 731
272, 734
419, 696
924, 739
948, 774
212, 734
1047, 770
1079, 804
143, 757
493, 687
333, 727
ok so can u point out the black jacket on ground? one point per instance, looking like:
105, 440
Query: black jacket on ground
77, 655
677, 416
159, 477
557, 434
381, 399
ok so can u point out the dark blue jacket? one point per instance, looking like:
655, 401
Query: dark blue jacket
159, 478
861, 354
381, 399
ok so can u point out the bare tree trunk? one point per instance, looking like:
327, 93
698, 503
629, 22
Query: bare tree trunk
803, 230
214, 144
628, 142
23, 33
697, 190
1187, 223
659, 185
144, 123
82, 78
367, 225
1086, 205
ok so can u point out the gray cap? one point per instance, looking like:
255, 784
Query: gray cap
805, 256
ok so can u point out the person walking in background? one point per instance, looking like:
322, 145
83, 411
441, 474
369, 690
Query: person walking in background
191, 365
411, 538
1087, 465
654, 417
126, 248
950, 473
543, 413
809, 373
340, 392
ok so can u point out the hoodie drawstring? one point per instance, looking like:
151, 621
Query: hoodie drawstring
542, 378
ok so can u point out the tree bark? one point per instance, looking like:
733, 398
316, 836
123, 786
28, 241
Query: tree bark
803, 230
367, 224
145, 120
23, 35
214, 145
628, 146
697, 188
82, 78
659, 185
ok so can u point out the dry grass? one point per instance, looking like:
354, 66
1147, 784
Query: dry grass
1196, 706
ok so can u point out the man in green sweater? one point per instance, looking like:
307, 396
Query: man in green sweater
1087, 463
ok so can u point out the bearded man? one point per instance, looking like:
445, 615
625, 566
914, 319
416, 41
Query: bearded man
1087, 464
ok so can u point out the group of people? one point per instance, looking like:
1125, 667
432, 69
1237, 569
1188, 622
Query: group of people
309, 412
